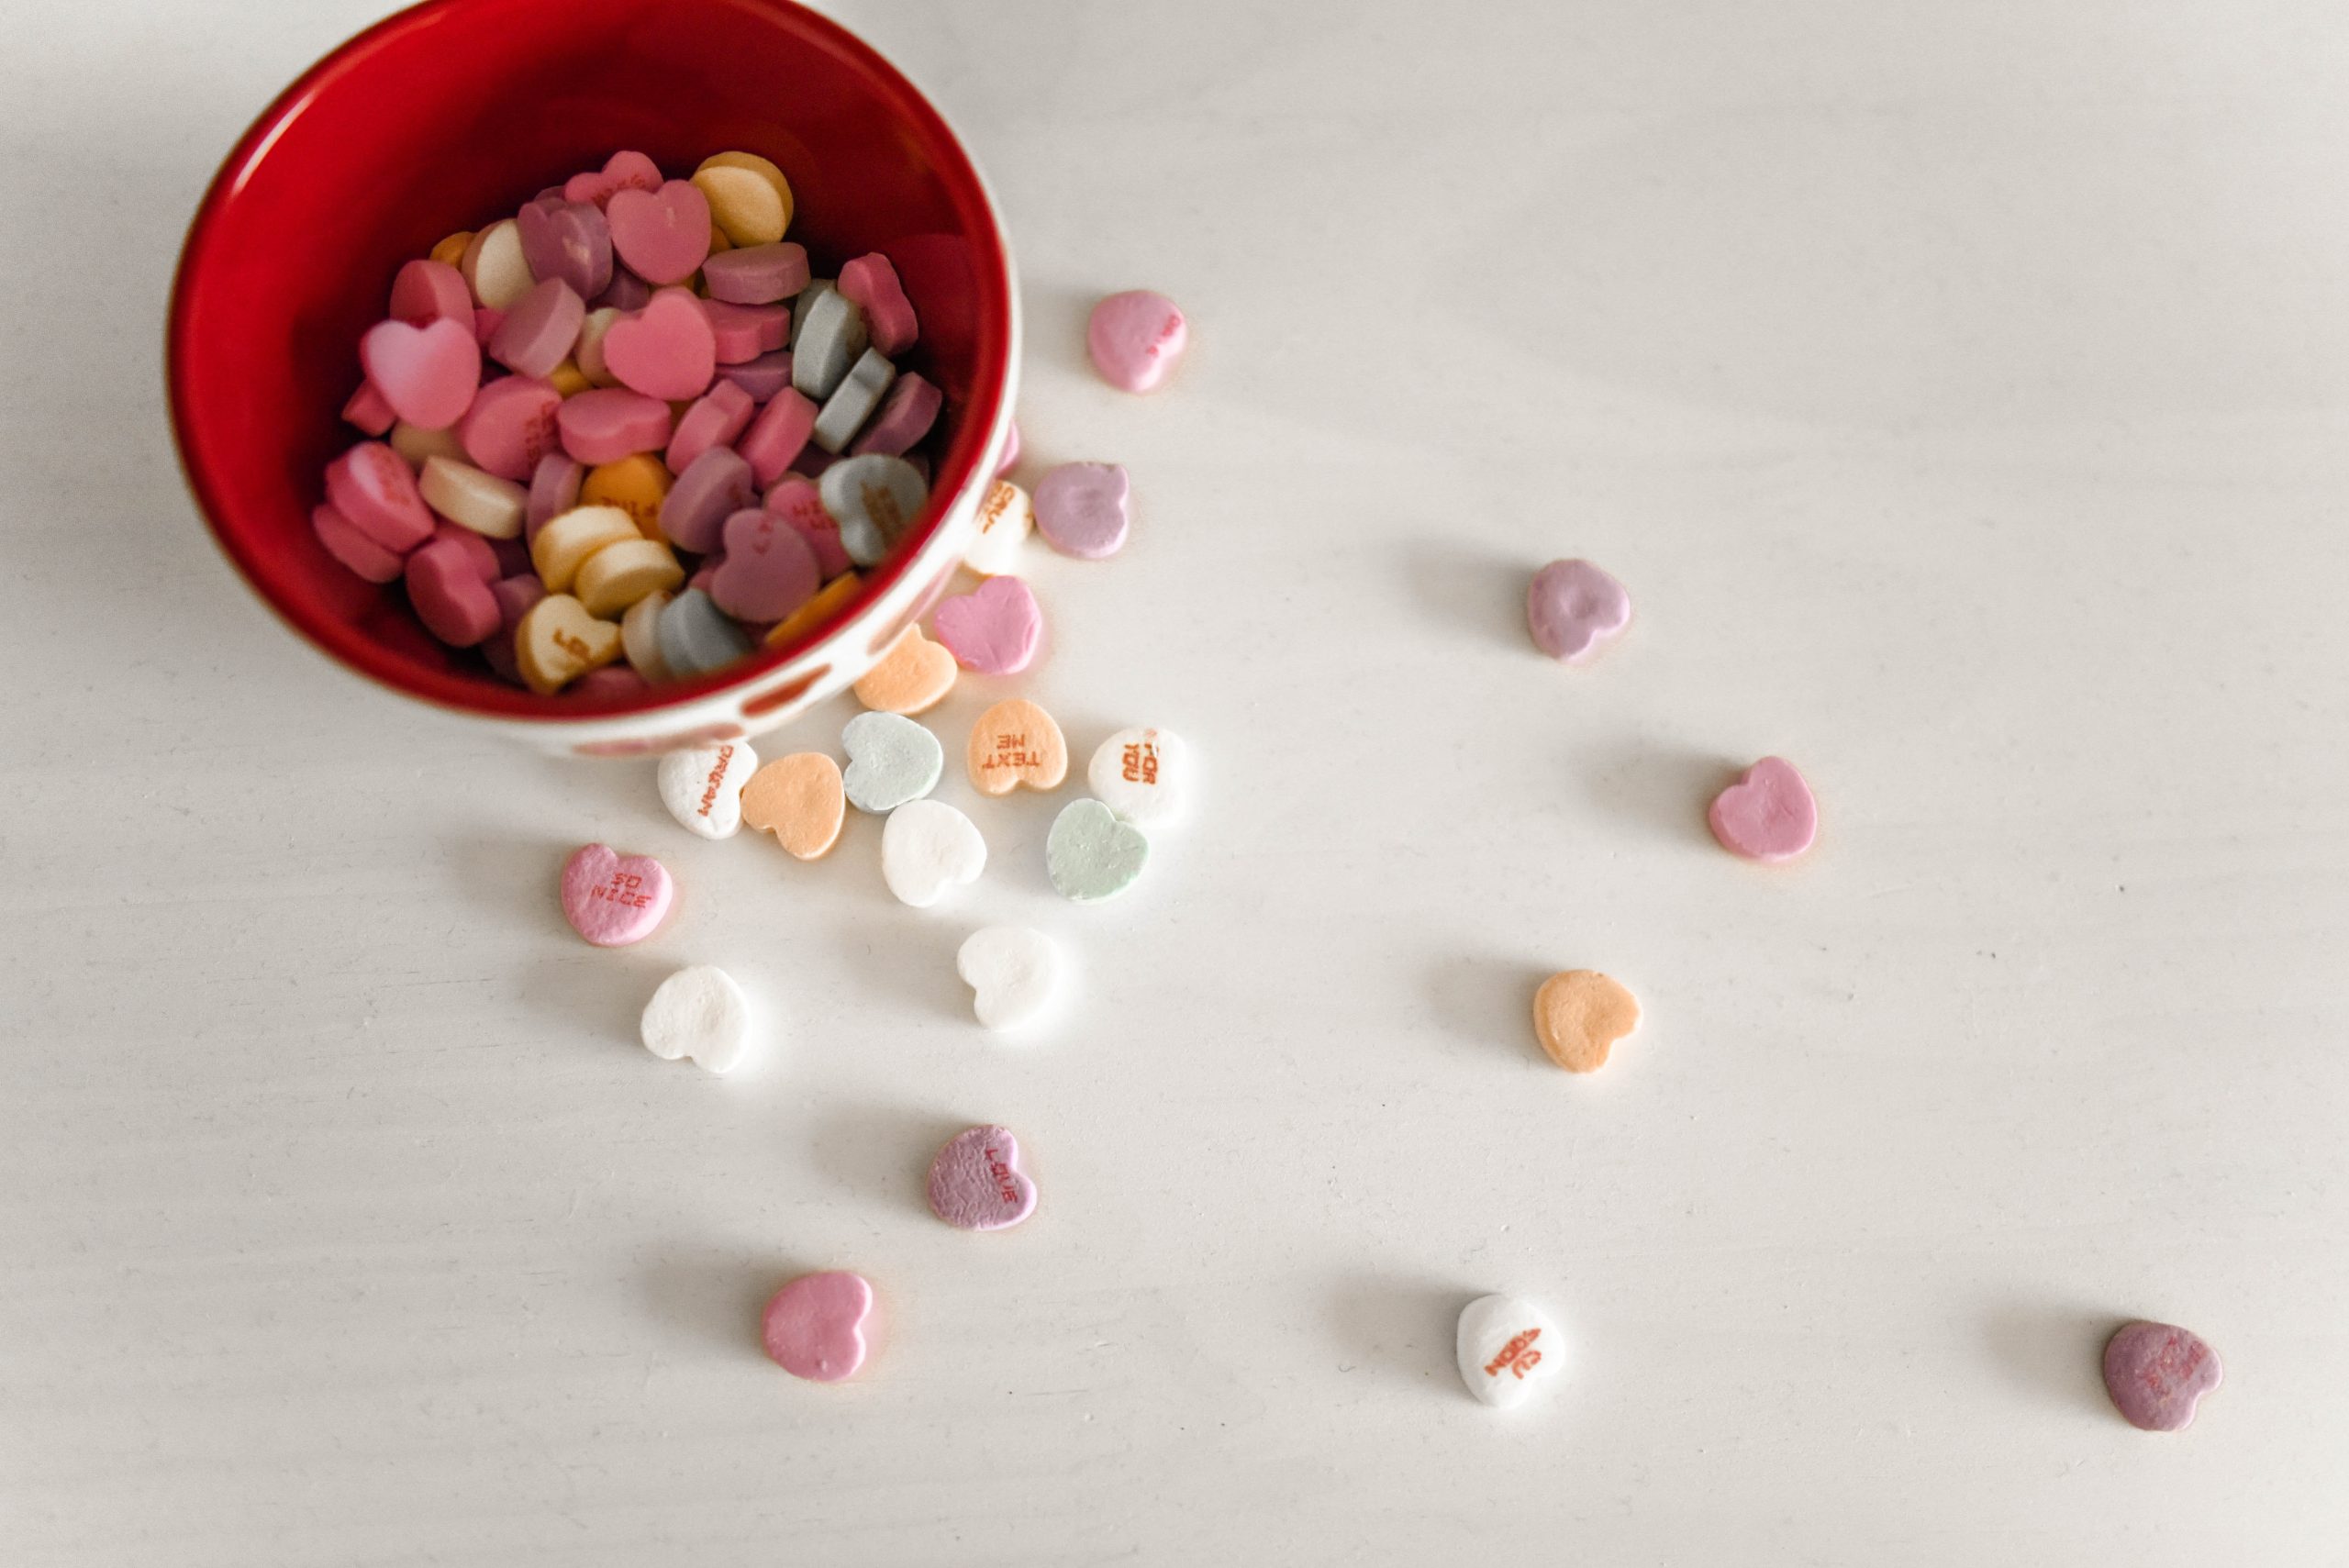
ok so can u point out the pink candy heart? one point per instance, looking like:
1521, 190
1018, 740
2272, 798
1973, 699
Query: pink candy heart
1572, 607
1135, 339
994, 630
975, 1183
661, 235
1767, 815
621, 172
427, 374
814, 1327
512, 425
767, 570
566, 240
452, 599
665, 351
1081, 509
613, 900
2157, 1373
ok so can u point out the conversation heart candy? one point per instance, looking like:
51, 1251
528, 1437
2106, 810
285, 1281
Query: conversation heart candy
1142, 776
2157, 1374
743, 332
827, 338
427, 374
716, 419
975, 1183
554, 489
1578, 1016
1012, 971
556, 641
994, 630
566, 543
661, 235
417, 446
1015, 742
717, 484
928, 847
494, 267
641, 637
801, 800
767, 570
424, 292
612, 899
1507, 1348
814, 1327
756, 275
513, 423
1135, 339
1005, 518
875, 499
621, 172
871, 284
536, 335
702, 785
1767, 815
749, 198
486, 505
371, 488
567, 241
853, 401
696, 637
1092, 853
607, 424
1081, 509
665, 351
778, 435
450, 595
913, 677
794, 499
764, 378
372, 560
906, 417
817, 613
698, 1012
1574, 609
368, 411
637, 483
891, 760
620, 574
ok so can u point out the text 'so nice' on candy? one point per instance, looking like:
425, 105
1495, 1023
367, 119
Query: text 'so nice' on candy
801, 800
1768, 815
1092, 853
1015, 742
1135, 339
698, 1012
928, 847
1578, 1016
702, 786
814, 1327
612, 899
1013, 974
1508, 1349
2157, 1374
975, 1183
1143, 775
1574, 610
891, 760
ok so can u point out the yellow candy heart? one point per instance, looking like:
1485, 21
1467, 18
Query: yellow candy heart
748, 197
913, 677
800, 800
558, 641
565, 542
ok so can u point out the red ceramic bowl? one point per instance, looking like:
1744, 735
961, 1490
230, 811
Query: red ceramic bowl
458, 111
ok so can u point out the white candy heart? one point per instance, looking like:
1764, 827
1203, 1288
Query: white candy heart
926, 848
1506, 1346
702, 786
701, 1013
1012, 973
1006, 519
1143, 775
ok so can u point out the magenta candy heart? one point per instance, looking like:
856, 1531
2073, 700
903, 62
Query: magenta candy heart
756, 275
622, 172
613, 900
1767, 815
768, 570
425, 291
538, 333
511, 426
625, 292
796, 500
1574, 609
743, 332
762, 377
716, 484
478, 553
661, 235
722, 414
569, 242
450, 595
994, 630
870, 283
606, 424
427, 374
975, 1183
554, 488
1081, 509
904, 417
2157, 1373
664, 351
814, 1327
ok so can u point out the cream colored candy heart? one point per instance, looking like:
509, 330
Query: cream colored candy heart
927, 847
1013, 974
558, 641
913, 677
494, 266
1016, 743
1006, 519
489, 506
567, 540
800, 800
614, 579
702, 786
1507, 1347
701, 1013
1143, 775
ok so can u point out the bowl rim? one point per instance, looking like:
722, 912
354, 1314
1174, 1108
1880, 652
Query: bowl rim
974, 207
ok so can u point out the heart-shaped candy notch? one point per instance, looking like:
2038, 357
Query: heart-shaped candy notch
913, 677
994, 630
1508, 1346
1574, 609
814, 1327
800, 800
927, 847
1014, 743
701, 1013
428, 374
1579, 1015
1081, 509
661, 235
1012, 973
1143, 775
1092, 854
614, 899
975, 1183
891, 760
1768, 815
2157, 1373
664, 351
702, 786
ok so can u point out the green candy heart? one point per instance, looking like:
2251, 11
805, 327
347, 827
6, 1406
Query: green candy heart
1093, 852
892, 759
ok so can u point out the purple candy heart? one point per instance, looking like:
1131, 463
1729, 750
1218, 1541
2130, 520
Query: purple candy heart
568, 240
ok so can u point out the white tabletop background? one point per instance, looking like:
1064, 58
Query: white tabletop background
1961, 393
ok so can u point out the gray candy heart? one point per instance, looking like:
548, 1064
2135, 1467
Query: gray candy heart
827, 340
874, 498
891, 760
696, 637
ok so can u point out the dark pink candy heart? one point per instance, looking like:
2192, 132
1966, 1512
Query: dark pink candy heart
661, 235
664, 351
425, 291
427, 374
568, 240
624, 170
374, 490
511, 426
768, 570
449, 595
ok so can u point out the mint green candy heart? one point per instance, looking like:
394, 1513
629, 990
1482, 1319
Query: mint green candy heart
891, 760
1093, 852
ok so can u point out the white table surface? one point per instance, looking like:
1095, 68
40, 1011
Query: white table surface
1960, 390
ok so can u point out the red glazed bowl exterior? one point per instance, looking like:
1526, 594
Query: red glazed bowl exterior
458, 111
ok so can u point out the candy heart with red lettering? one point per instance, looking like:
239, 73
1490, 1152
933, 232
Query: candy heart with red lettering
975, 1183
702, 786
1508, 1348
612, 899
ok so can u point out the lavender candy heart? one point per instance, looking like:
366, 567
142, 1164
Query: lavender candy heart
875, 500
756, 275
714, 487
762, 377
2157, 1373
696, 637
568, 240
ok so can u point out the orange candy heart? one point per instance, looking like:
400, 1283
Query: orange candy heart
799, 800
913, 677
1016, 743
1578, 1016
